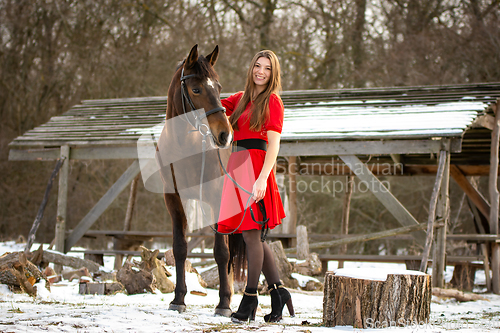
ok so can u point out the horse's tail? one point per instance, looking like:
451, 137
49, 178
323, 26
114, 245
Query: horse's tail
237, 256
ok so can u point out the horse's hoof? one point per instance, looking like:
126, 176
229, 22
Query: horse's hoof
177, 307
223, 312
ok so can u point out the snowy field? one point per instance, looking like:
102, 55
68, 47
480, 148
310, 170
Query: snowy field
64, 310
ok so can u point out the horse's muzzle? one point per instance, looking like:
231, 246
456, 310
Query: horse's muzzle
224, 139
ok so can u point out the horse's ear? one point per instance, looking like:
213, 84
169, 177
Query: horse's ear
192, 57
212, 57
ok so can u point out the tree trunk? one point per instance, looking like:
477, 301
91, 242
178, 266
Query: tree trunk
401, 300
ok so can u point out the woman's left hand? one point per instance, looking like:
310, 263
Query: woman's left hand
259, 189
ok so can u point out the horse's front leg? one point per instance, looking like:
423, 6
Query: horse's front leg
179, 223
221, 254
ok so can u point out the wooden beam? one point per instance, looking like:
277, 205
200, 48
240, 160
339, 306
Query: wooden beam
363, 238
292, 194
382, 194
432, 211
49, 154
91, 153
96, 211
485, 121
62, 204
472, 192
494, 199
346, 209
443, 214
332, 147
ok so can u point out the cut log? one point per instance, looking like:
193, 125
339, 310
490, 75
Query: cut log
400, 300
100, 288
457, 294
463, 276
95, 257
302, 242
311, 267
284, 267
151, 264
18, 272
65, 260
135, 280
76, 273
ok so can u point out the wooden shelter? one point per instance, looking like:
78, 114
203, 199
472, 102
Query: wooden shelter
443, 130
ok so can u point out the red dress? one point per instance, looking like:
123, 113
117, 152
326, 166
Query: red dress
245, 167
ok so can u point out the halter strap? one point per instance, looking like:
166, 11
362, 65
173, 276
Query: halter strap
186, 96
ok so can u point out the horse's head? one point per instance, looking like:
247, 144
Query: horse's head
202, 87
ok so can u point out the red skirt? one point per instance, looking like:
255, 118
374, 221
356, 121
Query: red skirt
244, 167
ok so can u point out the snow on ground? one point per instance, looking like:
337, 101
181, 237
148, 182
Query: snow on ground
64, 310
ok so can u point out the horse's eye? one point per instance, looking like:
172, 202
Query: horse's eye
196, 90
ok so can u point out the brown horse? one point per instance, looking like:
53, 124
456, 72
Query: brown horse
182, 175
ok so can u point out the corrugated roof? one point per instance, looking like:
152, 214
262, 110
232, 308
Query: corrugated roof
366, 120
345, 114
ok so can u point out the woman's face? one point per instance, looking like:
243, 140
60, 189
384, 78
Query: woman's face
262, 71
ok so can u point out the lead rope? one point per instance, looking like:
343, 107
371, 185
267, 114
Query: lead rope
263, 223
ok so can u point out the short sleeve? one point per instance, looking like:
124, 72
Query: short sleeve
276, 114
231, 102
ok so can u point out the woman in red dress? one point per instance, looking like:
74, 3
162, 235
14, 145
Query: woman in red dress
256, 115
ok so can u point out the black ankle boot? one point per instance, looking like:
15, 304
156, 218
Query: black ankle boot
248, 306
279, 297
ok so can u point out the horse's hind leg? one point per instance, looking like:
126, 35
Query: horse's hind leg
179, 223
221, 254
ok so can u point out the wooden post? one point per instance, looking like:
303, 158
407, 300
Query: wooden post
128, 218
292, 196
432, 211
494, 200
484, 246
62, 203
39, 215
131, 204
302, 243
344, 227
443, 213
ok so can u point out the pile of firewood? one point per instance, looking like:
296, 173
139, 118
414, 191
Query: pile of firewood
19, 273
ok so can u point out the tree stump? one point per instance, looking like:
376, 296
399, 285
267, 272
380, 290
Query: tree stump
302, 243
401, 299
463, 276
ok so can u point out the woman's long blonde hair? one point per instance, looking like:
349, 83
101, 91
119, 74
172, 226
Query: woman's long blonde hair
260, 108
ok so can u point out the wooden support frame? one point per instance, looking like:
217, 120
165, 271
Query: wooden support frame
432, 211
62, 204
383, 194
292, 195
96, 211
472, 192
288, 147
326, 148
346, 209
443, 214
494, 199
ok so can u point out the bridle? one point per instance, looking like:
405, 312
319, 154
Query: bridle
198, 124
204, 130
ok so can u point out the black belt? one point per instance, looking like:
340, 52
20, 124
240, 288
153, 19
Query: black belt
249, 144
